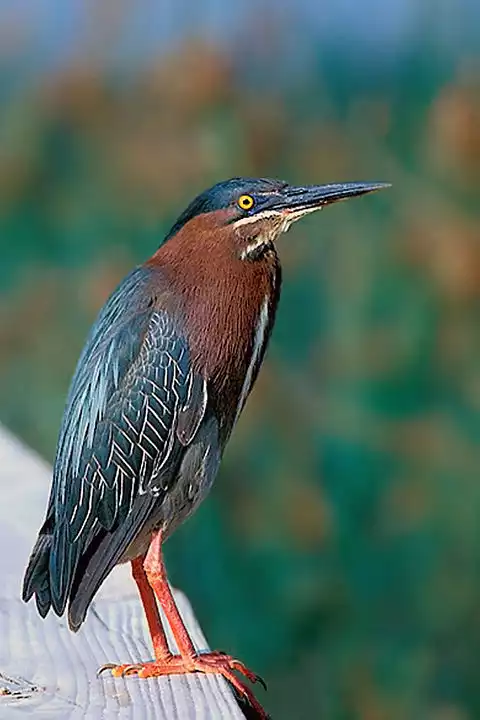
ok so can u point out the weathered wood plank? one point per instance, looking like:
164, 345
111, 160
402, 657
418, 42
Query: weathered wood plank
50, 672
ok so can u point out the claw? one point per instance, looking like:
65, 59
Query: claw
120, 670
253, 677
259, 679
107, 666
128, 670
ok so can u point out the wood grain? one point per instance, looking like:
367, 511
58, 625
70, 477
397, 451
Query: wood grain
49, 672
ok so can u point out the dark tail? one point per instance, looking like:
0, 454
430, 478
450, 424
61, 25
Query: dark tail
51, 568
101, 557
59, 572
37, 575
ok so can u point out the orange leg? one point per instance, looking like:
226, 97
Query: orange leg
153, 577
157, 633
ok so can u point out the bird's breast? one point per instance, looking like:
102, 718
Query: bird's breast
229, 327
227, 308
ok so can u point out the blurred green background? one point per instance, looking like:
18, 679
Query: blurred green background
339, 553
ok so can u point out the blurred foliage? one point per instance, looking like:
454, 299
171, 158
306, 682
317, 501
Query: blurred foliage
339, 553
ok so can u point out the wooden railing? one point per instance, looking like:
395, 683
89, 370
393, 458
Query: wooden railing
44, 668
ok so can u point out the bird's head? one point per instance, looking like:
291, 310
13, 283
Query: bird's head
251, 213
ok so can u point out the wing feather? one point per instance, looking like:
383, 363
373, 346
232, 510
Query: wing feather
134, 403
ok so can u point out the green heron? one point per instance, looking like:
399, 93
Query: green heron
159, 386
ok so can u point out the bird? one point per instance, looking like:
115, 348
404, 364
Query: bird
164, 375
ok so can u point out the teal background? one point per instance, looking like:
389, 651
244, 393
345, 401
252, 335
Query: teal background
339, 552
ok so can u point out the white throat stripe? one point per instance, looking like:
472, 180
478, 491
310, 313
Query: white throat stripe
256, 218
258, 344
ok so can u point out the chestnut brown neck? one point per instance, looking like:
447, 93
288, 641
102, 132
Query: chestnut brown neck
228, 308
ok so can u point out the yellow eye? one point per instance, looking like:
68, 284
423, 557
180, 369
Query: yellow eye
246, 202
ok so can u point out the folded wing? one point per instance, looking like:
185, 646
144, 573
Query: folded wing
135, 403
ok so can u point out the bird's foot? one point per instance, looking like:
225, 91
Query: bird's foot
210, 662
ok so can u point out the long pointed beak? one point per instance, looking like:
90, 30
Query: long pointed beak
300, 200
